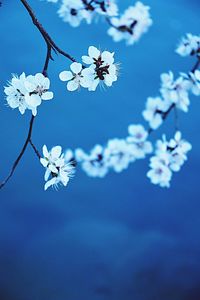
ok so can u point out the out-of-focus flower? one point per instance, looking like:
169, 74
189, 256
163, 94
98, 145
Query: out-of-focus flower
73, 12
153, 113
131, 25
189, 45
169, 157
93, 163
175, 91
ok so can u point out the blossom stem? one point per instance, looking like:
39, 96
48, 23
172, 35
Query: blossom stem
35, 149
196, 66
21, 153
50, 43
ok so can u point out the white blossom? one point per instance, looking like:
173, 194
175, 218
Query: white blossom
195, 82
75, 76
107, 8
131, 25
175, 91
189, 45
137, 139
57, 169
102, 68
169, 157
73, 12
178, 149
15, 93
118, 154
93, 163
160, 173
153, 113
28, 92
37, 90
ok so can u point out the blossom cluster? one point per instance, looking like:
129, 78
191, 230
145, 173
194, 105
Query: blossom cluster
174, 93
117, 154
58, 168
27, 92
169, 157
189, 45
128, 26
76, 11
101, 69
131, 24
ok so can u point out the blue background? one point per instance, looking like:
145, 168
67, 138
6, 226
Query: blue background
118, 238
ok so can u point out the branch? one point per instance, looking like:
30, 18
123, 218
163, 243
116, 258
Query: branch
34, 149
50, 46
21, 153
50, 43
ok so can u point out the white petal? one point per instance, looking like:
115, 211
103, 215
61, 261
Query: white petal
39, 77
87, 60
44, 162
47, 96
47, 174
12, 102
53, 169
33, 100
66, 75
107, 57
34, 111
30, 87
50, 183
76, 67
93, 52
72, 85
56, 151
45, 151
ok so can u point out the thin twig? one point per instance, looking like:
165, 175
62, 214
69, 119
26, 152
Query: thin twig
44, 34
21, 153
35, 149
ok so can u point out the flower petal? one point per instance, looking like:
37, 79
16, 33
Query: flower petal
66, 75
76, 67
45, 151
50, 183
93, 52
47, 96
72, 85
56, 152
33, 100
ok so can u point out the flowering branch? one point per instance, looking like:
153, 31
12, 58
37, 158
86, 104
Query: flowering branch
128, 26
27, 92
170, 155
50, 46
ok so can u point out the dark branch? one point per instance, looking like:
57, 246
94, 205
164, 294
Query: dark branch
35, 149
21, 153
50, 43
